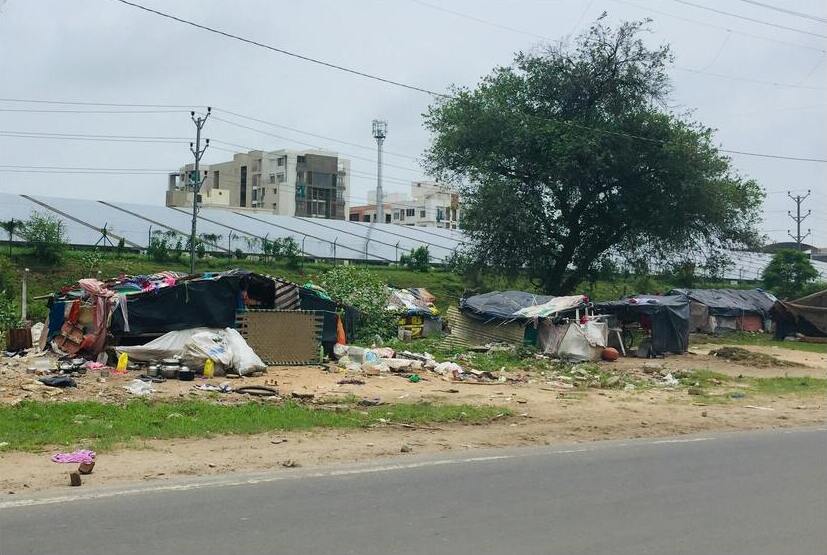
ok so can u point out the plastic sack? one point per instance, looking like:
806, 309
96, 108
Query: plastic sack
123, 362
244, 359
139, 388
169, 345
211, 345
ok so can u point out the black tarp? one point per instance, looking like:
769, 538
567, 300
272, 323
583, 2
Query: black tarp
195, 303
499, 305
669, 317
807, 316
730, 302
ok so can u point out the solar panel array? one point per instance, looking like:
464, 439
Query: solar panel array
85, 220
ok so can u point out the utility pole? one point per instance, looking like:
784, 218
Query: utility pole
380, 131
798, 218
197, 180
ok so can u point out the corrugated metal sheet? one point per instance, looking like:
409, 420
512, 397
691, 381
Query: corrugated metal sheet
467, 332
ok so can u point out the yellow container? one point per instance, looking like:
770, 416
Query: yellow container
209, 368
123, 361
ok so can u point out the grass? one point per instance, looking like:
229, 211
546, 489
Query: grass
758, 339
32, 425
707, 380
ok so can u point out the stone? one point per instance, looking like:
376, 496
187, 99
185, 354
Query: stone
704, 414
406, 448
74, 479
398, 363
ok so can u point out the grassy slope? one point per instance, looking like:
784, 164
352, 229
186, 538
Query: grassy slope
759, 339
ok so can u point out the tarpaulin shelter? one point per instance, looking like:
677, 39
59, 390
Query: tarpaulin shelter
134, 309
500, 305
666, 317
712, 310
806, 316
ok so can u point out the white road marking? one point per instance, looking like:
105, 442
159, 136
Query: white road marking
688, 440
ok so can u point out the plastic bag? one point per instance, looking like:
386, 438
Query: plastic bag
209, 345
244, 359
123, 362
139, 388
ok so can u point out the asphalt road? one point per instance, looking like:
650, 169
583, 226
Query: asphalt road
749, 493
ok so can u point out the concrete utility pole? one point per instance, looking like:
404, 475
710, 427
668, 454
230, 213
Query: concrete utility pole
798, 218
380, 131
196, 180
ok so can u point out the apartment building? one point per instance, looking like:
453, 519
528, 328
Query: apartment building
429, 204
311, 183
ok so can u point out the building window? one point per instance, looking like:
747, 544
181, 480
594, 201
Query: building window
215, 180
280, 177
387, 218
281, 161
255, 181
402, 214
300, 159
422, 214
396, 214
272, 178
354, 217
410, 212
366, 218
242, 187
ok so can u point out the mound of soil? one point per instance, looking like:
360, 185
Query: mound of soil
751, 358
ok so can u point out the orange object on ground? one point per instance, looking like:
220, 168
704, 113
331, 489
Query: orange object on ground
610, 354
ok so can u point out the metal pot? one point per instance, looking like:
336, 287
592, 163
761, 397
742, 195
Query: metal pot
170, 371
171, 362
185, 374
154, 370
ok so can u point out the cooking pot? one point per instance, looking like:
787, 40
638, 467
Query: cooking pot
170, 371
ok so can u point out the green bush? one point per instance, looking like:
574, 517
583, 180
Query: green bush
47, 236
419, 260
365, 291
788, 273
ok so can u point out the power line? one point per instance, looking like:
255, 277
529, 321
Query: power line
722, 27
478, 19
358, 145
285, 52
44, 111
86, 103
752, 19
786, 11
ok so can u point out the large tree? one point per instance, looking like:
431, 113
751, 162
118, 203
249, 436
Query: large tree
570, 155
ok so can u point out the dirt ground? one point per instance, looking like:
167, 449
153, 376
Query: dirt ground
543, 413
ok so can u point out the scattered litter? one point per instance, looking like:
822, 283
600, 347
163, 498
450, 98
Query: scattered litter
290, 463
58, 381
81, 456
223, 387
139, 388
414, 378
629, 387
670, 381
278, 440
406, 448
737, 395
757, 408
370, 402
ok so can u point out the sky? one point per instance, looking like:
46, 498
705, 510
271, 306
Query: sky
758, 78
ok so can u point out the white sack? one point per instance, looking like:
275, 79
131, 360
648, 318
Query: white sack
245, 360
169, 345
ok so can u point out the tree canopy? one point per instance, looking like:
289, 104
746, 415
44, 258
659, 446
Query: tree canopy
788, 273
569, 156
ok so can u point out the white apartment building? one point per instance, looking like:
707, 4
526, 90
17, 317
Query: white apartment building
430, 204
312, 183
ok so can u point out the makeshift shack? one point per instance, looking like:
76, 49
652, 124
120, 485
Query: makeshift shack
663, 319
805, 317
133, 310
560, 326
419, 317
716, 310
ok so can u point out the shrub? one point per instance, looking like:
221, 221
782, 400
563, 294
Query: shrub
788, 273
365, 291
47, 236
419, 260
9, 315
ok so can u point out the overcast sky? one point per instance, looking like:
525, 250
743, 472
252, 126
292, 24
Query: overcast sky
104, 51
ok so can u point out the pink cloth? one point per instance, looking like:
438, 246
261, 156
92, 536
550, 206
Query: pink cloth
82, 456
